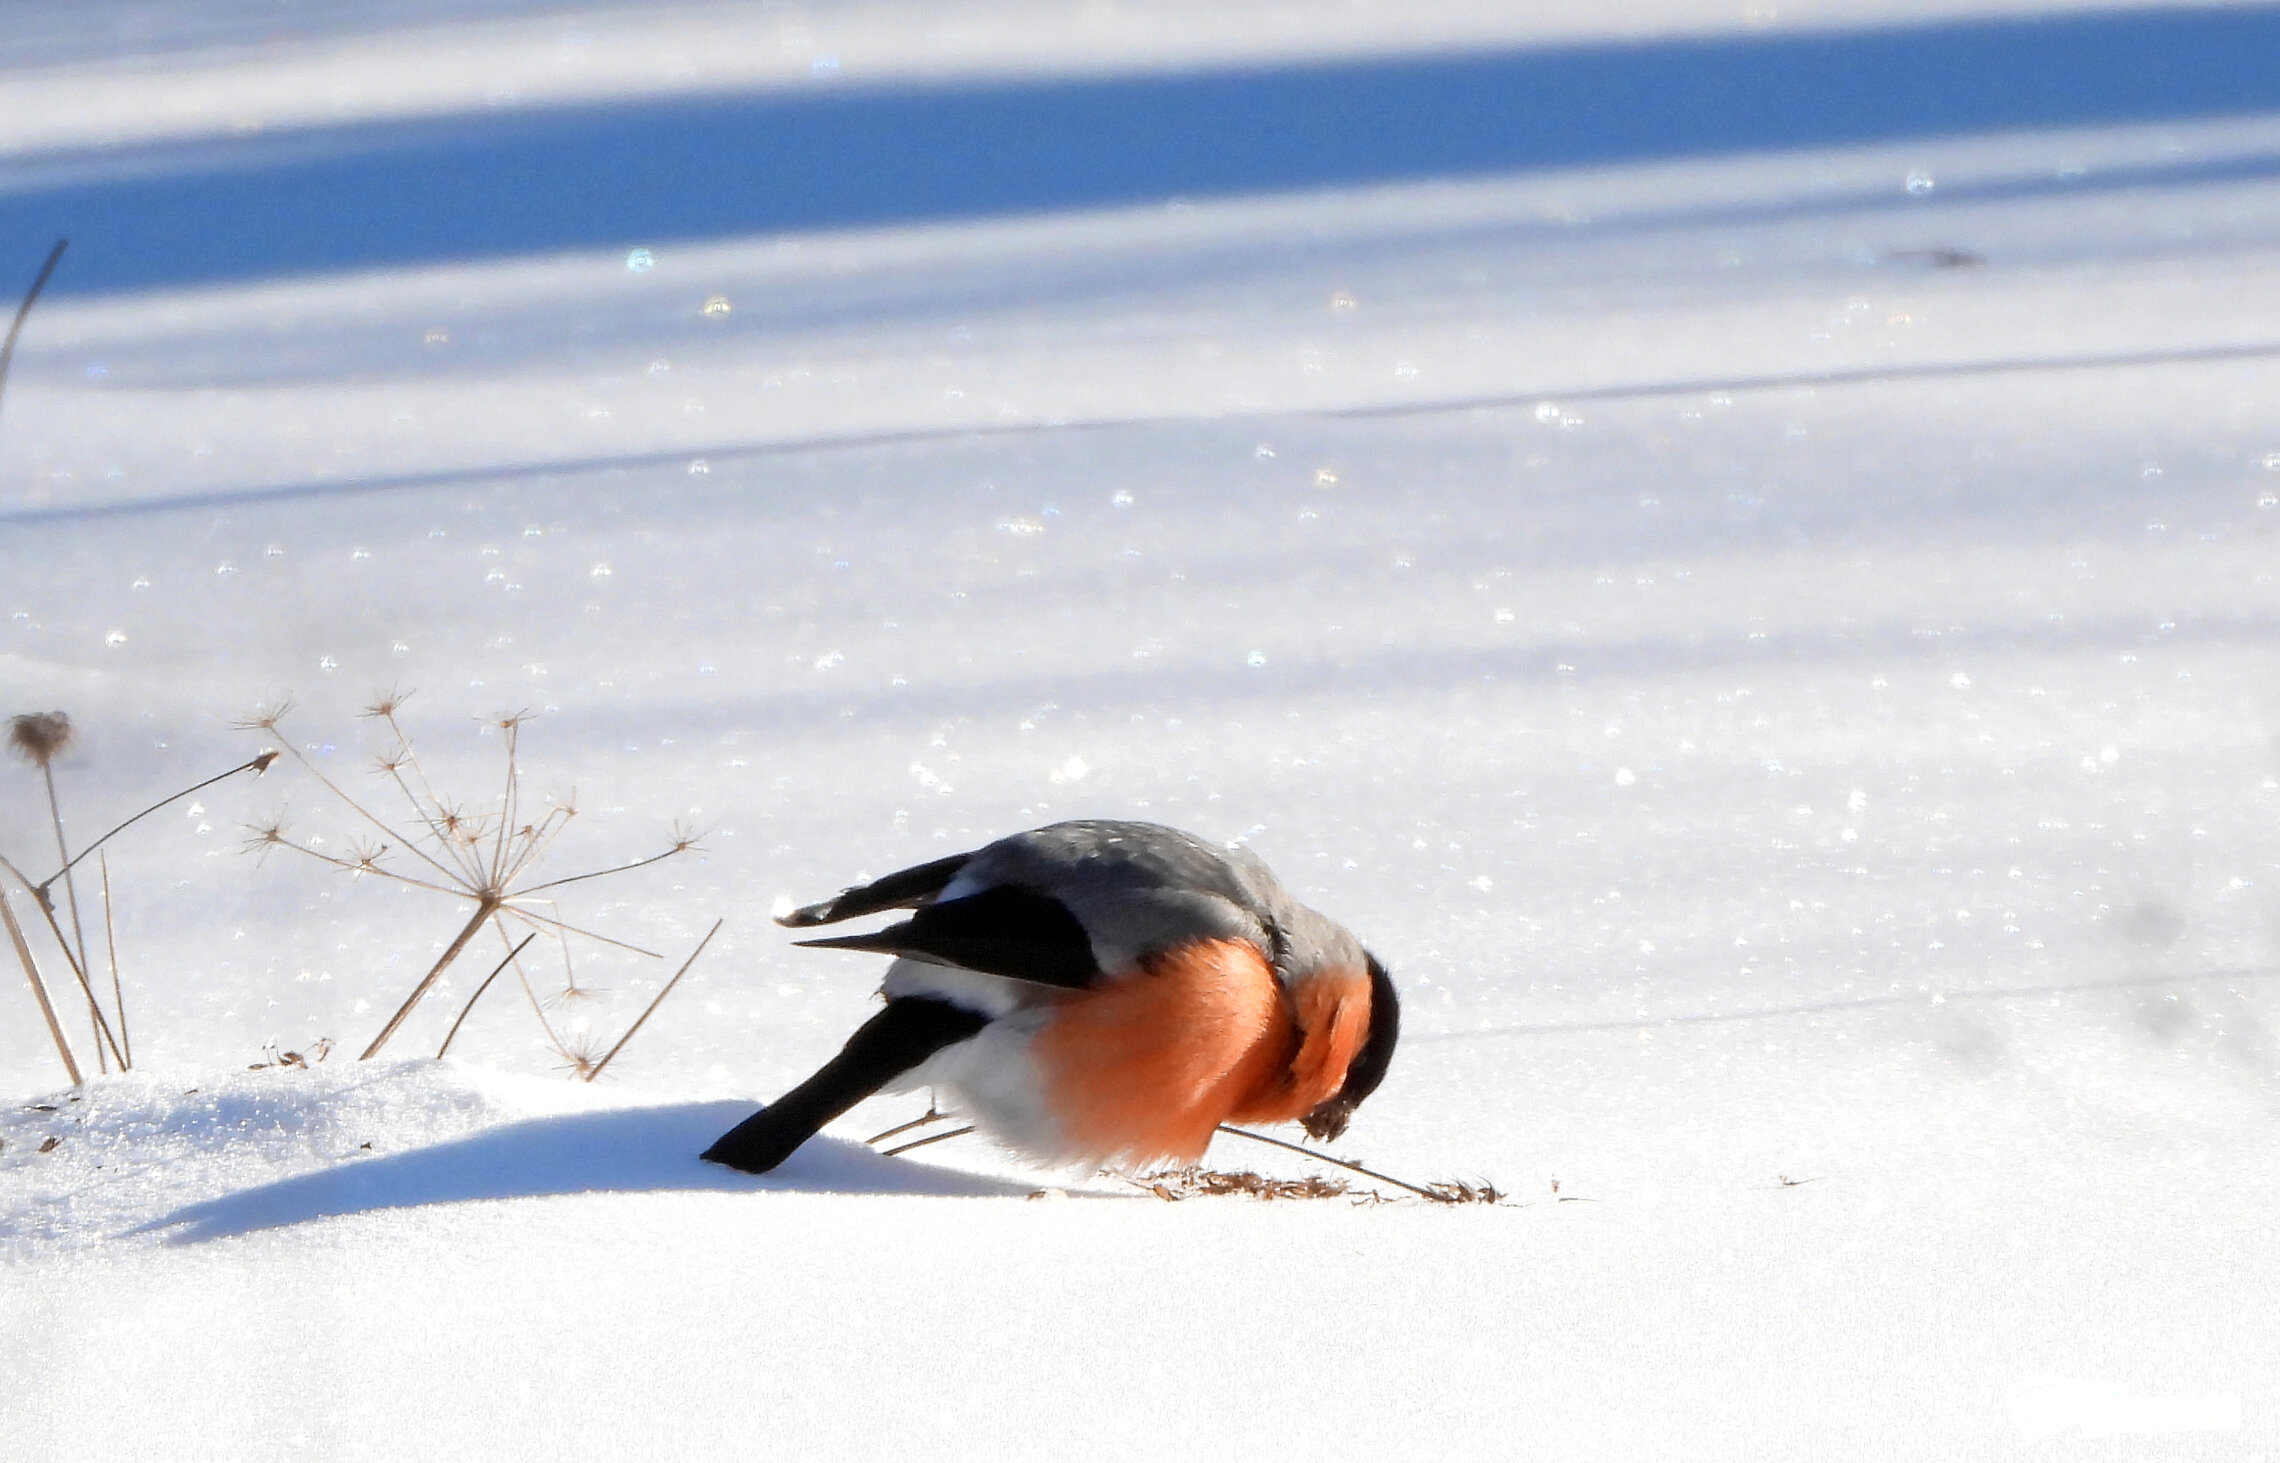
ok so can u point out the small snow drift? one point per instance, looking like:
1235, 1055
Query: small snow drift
266, 1149
630, 1150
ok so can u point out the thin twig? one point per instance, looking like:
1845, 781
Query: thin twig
408, 756
101, 1022
111, 949
509, 799
79, 961
469, 1009
542, 838
39, 991
8, 347
538, 1007
515, 909
70, 885
932, 1138
270, 723
403, 739
271, 837
570, 987
654, 1004
678, 847
483, 911
1384, 1178
395, 771
256, 765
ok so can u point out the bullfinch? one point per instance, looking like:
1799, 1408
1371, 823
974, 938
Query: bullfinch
1103, 993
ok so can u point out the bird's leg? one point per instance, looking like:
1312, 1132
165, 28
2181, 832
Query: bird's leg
930, 1138
933, 1114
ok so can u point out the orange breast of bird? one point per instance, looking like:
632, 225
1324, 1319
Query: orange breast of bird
1146, 1065
1332, 1012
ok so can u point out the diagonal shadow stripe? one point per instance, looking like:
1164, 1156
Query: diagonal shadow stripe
840, 155
920, 436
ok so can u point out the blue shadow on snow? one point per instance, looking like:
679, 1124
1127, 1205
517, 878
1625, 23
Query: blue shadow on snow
635, 1150
843, 154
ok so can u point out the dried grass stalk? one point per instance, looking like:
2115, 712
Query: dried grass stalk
657, 1001
96, 1017
111, 952
16, 327
469, 1009
255, 765
484, 909
39, 990
70, 885
39, 737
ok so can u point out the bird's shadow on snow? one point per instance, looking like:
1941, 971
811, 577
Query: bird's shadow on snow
630, 1150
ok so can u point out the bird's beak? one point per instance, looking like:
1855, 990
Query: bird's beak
1327, 1122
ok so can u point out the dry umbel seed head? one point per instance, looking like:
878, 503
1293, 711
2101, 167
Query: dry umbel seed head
38, 736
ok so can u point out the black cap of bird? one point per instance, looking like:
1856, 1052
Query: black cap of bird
1102, 993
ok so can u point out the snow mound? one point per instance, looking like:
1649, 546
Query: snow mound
182, 1160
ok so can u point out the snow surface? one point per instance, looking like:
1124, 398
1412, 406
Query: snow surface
1774, 646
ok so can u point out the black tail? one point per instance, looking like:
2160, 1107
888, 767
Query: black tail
907, 1032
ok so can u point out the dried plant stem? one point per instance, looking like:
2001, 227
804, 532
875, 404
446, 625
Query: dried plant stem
511, 907
541, 839
510, 801
256, 765
930, 1138
435, 829
39, 991
1383, 1178
578, 1063
71, 897
641, 863
101, 1023
111, 951
469, 1009
456, 876
16, 328
659, 1000
364, 865
47, 911
477, 856
485, 907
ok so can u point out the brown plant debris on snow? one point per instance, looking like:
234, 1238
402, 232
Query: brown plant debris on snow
1176, 1184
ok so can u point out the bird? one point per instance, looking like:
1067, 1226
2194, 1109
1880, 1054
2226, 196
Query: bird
1099, 992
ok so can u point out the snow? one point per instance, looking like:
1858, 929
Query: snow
1773, 647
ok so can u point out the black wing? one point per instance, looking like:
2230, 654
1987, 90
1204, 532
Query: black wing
1003, 931
896, 891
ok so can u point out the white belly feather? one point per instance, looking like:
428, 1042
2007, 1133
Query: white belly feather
990, 1077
